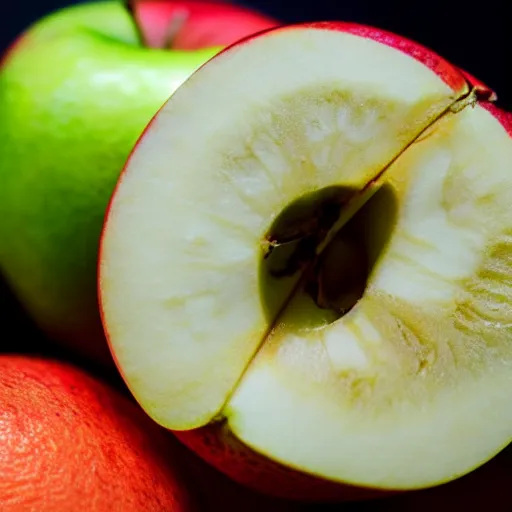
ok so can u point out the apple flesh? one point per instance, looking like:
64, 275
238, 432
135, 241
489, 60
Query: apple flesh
231, 267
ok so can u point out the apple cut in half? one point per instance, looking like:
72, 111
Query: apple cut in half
309, 259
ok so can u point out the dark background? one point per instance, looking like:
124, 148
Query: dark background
475, 36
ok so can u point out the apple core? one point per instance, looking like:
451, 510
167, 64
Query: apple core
335, 279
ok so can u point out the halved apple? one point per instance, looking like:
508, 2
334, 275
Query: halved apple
308, 261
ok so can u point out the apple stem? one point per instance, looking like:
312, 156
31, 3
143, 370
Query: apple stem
177, 23
131, 7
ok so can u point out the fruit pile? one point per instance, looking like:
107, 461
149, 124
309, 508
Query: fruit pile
250, 267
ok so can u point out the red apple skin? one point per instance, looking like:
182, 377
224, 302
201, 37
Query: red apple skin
220, 448
69, 443
200, 24
214, 442
218, 492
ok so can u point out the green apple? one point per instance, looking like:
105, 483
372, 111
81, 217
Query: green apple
76, 91
319, 300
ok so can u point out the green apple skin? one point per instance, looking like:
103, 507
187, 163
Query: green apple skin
76, 91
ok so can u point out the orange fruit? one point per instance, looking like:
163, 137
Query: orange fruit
69, 442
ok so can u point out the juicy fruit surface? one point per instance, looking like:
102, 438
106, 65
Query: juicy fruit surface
71, 443
68, 123
418, 369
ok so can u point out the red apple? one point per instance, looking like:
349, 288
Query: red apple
191, 25
305, 267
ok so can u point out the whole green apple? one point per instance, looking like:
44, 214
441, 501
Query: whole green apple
76, 91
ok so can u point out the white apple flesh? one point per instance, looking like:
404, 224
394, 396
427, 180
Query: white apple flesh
404, 387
